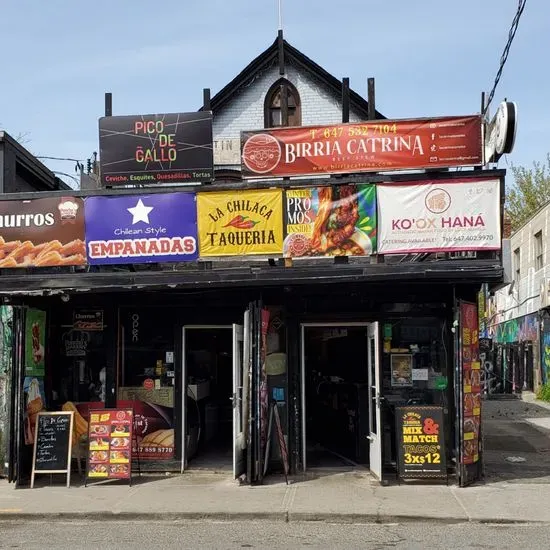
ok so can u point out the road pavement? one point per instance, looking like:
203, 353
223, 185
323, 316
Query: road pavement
76, 535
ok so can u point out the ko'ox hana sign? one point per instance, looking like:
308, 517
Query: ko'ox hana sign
439, 216
363, 147
240, 223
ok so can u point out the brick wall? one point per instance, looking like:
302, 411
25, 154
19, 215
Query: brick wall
246, 111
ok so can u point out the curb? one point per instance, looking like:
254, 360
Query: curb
285, 517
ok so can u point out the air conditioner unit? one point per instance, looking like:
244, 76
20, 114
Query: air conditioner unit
545, 292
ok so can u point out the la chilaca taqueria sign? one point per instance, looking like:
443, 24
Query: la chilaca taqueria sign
240, 223
363, 147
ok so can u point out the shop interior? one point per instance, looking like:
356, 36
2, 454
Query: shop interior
337, 404
209, 366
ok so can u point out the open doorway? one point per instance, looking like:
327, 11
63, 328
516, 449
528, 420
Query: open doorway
336, 396
208, 407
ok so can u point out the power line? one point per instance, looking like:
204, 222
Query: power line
504, 56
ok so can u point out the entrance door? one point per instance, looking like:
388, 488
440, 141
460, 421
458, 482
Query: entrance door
238, 398
375, 413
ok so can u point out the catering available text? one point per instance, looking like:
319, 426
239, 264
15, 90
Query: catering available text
156, 149
372, 146
240, 223
439, 216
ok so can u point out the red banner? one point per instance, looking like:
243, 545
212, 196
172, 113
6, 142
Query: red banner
372, 146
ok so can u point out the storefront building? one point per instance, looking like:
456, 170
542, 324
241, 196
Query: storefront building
329, 295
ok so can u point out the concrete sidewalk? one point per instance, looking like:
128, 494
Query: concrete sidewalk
338, 497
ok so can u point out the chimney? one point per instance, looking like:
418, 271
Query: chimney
507, 226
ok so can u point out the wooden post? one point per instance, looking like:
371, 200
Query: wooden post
108, 104
371, 99
345, 99
206, 106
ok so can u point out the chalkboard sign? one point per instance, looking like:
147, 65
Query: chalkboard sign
420, 442
53, 444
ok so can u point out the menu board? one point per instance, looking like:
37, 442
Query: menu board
52, 444
471, 383
420, 442
110, 444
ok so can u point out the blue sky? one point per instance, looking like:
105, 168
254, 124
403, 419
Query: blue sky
429, 58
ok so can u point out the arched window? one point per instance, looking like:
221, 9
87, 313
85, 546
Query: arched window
282, 105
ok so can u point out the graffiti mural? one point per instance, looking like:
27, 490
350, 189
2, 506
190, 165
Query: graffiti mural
6, 320
546, 354
521, 329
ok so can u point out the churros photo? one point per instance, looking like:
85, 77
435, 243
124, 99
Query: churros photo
50, 254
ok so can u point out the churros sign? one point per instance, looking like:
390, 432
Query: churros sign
45, 232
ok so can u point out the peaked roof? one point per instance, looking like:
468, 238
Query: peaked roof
298, 59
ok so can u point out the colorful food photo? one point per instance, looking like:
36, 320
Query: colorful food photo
330, 221
401, 370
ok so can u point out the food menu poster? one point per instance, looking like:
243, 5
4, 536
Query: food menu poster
471, 382
110, 444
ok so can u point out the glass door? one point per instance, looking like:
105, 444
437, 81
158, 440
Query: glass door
375, 413
238, 398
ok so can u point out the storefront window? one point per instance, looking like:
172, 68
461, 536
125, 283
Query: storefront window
147, 378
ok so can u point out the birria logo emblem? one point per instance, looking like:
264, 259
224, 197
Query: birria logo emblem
261, 153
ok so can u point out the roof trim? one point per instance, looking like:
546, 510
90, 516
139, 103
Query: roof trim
270, 56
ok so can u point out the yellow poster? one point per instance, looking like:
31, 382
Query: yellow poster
240, 223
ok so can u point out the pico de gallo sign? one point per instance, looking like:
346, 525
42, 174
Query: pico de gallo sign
141, 229
371, 146
420, 442
439, 216
156, 149
240, 223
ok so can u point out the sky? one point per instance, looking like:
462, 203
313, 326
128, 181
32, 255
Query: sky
429, 58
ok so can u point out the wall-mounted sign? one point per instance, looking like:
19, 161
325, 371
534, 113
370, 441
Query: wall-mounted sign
330, 221
42, 233
239, 223
439, 216
500, 134
156, 149
141, 228
420, 442
88, 319
372, 146
227, 152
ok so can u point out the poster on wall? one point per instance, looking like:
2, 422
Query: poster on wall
42, 233
471, 391
371, 146
35, 341
154, 421
35, 402
330, 221
141, 229
439, 216
401, 370
240, 223
156, 149
421, 449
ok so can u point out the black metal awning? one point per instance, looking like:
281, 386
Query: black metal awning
447, 271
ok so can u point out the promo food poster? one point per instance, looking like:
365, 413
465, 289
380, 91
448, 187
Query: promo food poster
240, 223
330, 221
35, 341
471, 382
45, 232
